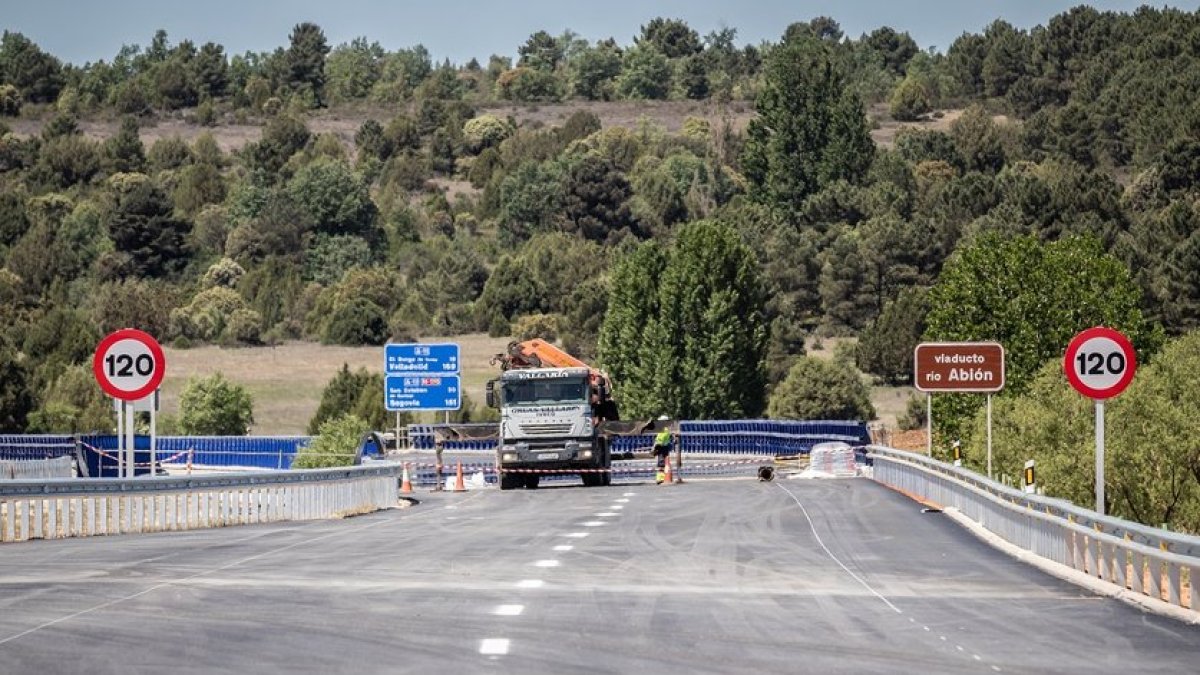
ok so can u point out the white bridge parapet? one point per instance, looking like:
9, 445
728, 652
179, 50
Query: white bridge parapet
59, 508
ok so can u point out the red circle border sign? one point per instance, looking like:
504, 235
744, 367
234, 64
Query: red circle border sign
156, 378
1100, 332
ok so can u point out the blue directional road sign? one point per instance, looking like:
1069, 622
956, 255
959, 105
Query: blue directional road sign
421, 392
420, 358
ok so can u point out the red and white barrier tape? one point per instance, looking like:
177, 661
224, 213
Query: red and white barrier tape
491, 468
114, 458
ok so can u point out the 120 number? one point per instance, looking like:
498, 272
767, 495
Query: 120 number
124, 365
1092, 363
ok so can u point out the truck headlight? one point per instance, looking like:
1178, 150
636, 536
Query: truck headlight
586, 454
508, 457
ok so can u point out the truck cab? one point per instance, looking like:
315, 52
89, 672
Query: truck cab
547, 423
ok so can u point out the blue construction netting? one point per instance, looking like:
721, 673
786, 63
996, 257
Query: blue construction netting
14, 446
748, 437
258, 452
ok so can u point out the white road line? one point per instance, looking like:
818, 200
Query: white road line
593, 523
622, 501
563, 547
508, 610
958, 647
576, 535
530, 583
493, 646
977, 657
629, 494
616, 507
547, 563
607, 514
834, 558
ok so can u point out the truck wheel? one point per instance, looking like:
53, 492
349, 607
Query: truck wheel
606, 478
511, 481
589, 479
531, 482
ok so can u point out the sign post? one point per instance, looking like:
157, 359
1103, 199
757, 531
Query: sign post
1100, 363
421, 377
129, 366
958, 367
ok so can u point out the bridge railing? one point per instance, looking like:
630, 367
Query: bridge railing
59, 508
1148, 561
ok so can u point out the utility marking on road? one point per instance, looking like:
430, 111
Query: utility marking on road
508, 610
834, 558
530, 583
593, 523
607, 514
563, 547
576, 535
493, 646
547, 563
452, 506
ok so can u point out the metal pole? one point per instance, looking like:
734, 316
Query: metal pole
1100, 457
989, 434
120, 407
929, 424
397, 431
153, 435
130, 455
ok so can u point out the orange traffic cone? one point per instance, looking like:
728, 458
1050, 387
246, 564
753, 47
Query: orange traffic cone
667, 472
458, 479
406, 483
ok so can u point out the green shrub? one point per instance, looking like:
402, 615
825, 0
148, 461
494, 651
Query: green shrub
915, 414
214, 406
356, 322
815, 389
359, 393
336, 444
244, 326
544, 326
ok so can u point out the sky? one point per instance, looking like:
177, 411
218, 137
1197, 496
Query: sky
78, 31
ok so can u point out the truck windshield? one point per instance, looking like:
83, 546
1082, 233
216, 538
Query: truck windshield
545, 391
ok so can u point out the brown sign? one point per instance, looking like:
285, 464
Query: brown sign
962, 367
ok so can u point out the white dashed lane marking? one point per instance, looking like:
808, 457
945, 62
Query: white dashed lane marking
530, 583
546, 563
508, 610
576, 535
563, 547
593, 523
494, 646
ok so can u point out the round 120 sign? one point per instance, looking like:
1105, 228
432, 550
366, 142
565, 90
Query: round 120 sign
129, 364
1100, 362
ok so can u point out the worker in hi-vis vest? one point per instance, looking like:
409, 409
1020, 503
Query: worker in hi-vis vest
662, 453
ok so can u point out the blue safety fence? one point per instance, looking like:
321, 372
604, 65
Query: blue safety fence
734, 437
256, 452
21, 446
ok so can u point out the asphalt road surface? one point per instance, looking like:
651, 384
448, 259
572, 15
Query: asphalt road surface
723, 576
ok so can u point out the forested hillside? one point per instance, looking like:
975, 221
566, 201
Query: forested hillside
693, 263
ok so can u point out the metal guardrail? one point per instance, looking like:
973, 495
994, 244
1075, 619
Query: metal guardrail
52, 509
1146, 560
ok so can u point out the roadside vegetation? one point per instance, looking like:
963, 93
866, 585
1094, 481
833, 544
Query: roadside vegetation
1062, 194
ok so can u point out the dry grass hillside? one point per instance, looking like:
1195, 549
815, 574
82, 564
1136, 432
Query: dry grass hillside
286, 380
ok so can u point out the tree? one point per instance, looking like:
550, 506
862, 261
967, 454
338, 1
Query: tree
214, 406
910, 100
358, 393
1031, 298
895, 48
702, 353
337, 201
73, 404
817, 389
540, 52
35, 73
596, 196
336, 444
633, 302
885, 348
124, 152
645, 74
594, 71
150, 240
672, 38
978, 140
353, 69
304, 60
15, 400
809, 131
211, 71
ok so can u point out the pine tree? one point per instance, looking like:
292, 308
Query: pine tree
809, 131
305, 59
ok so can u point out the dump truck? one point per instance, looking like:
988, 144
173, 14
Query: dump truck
553, 408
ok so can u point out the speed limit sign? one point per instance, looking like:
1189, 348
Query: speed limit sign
1100, 363
129, 364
